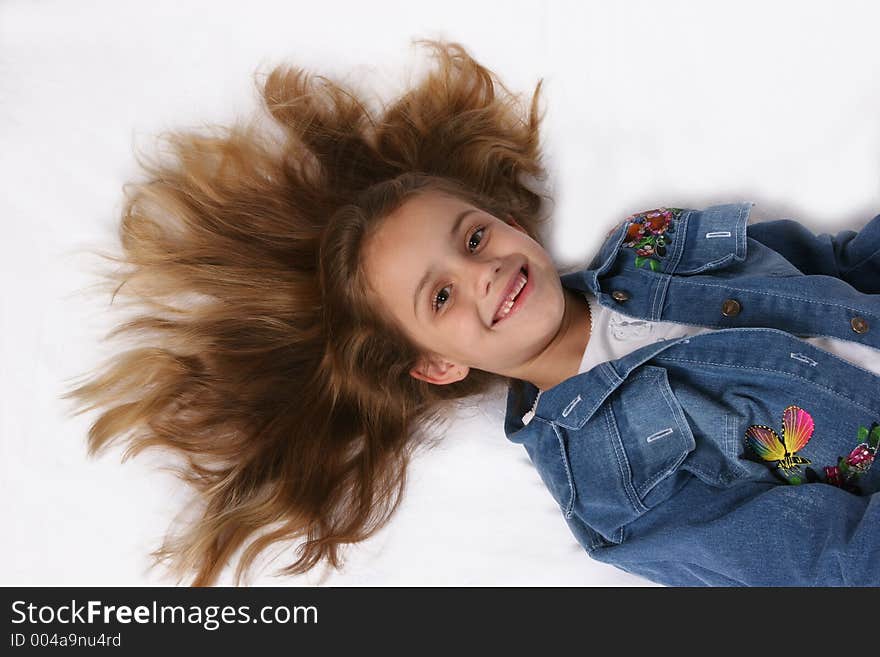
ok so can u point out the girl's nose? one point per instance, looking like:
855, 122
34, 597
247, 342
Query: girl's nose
494, 270
489, 284
485, 275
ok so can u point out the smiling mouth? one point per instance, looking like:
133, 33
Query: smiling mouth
510, 304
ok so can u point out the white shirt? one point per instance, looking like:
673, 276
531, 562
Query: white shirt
613, 335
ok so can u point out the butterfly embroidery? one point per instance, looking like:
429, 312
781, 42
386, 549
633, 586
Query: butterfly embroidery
797, 428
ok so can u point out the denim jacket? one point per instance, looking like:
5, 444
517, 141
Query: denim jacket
740, 456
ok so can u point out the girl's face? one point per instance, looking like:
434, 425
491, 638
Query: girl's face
444, 269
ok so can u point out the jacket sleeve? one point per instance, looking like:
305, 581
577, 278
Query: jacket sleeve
853, 256
807, 535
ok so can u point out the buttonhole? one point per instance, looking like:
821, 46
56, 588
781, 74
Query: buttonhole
658, 435
574, 402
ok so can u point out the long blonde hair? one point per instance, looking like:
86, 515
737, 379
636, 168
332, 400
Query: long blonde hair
288, 398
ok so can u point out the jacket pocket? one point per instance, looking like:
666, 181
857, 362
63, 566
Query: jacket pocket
625, 459
652, 434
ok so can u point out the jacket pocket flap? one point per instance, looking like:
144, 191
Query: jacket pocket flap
621, 461
652, 431
711, 238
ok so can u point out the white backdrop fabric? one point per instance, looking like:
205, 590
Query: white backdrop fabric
649, 103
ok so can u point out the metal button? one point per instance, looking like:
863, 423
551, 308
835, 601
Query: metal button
619, 295
859, 324
730, 308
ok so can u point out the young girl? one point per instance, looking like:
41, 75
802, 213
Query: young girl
701, 401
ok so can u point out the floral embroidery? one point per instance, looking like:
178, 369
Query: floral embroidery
649, 233
848, 469
797, 428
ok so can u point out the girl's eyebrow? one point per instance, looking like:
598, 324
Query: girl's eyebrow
455, 228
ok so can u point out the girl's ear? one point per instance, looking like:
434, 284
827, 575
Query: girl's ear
438, 371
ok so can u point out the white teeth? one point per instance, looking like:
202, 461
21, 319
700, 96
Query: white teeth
508, 303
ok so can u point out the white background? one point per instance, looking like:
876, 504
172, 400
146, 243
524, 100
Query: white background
648, 103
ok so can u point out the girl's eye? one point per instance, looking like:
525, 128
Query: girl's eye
436, 303
474, 234
440, 293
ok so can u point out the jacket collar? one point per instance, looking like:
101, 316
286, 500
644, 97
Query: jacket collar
587, 280
574, 401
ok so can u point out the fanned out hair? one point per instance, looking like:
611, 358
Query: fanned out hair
286, 397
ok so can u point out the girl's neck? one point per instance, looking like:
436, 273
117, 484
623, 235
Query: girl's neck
562, 359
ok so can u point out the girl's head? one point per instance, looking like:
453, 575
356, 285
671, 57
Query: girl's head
438, 263
281, 357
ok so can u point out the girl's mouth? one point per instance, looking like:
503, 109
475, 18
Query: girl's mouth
523, 283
